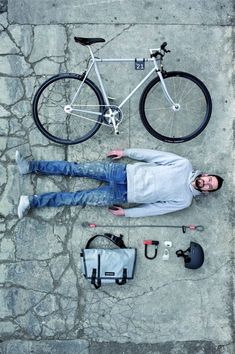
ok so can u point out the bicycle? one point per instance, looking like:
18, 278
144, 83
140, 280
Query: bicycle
68, 113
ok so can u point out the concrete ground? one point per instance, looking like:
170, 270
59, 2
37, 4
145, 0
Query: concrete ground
46, 306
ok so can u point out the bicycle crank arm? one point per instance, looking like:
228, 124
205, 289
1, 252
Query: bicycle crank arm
115, 126
111, 117
116, 131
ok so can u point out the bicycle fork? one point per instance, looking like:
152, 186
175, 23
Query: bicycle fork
175, 106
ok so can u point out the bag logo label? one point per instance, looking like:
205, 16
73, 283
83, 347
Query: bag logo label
111, 274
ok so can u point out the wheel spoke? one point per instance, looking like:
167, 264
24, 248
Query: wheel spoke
187, 92
158, 109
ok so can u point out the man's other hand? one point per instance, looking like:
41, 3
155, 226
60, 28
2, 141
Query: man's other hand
115, 154
116, 210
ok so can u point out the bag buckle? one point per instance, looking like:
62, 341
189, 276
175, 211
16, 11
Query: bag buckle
116, 239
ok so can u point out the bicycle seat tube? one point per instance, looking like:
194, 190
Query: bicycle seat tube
111, 115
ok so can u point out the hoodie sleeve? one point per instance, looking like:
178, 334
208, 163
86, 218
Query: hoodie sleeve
148, 155
158, 208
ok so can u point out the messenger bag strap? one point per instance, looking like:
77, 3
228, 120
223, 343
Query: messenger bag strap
117, 240
94, 280
124, 278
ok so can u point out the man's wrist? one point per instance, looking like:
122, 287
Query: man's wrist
125, 152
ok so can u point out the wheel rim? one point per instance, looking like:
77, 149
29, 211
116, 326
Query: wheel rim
187, 118
63, 127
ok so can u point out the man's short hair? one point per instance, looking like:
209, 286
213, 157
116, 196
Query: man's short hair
220, 182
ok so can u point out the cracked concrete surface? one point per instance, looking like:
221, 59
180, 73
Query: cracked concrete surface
46, 306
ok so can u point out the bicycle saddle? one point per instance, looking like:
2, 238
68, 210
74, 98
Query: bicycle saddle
88, 41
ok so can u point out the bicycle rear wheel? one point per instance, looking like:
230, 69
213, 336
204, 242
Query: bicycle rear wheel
57, 93
172, 125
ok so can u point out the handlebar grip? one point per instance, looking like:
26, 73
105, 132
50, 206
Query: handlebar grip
163, 46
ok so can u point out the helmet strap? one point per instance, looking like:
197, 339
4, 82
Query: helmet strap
181, 253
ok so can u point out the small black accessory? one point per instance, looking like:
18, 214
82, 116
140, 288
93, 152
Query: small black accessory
193, 256
105, 265
150, 242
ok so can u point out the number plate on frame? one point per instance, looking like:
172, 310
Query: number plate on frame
139, 64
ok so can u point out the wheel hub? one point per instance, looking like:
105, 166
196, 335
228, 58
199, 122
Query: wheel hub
68, 109
176, 107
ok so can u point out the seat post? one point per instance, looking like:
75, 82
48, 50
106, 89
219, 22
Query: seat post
92, 55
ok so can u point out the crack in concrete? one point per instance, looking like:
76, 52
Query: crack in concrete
115, 37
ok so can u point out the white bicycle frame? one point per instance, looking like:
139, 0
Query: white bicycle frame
93, 63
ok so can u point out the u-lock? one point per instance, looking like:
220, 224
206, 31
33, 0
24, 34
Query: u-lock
146, 244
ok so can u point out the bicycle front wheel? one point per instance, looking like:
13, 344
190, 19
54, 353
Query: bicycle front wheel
180, 123
62, 116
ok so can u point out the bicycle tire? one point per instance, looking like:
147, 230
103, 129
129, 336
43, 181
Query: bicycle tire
50, 120
190, 129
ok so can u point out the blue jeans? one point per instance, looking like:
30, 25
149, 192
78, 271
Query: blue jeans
114, 192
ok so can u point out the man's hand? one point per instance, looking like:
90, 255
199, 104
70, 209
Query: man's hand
116, 210
115, 154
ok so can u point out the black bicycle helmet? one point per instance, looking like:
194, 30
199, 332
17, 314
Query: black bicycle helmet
193, 256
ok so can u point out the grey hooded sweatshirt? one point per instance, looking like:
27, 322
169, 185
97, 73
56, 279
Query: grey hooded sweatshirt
161, 184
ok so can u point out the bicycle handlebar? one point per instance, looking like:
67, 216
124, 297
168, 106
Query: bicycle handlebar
161, 52
163, 47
